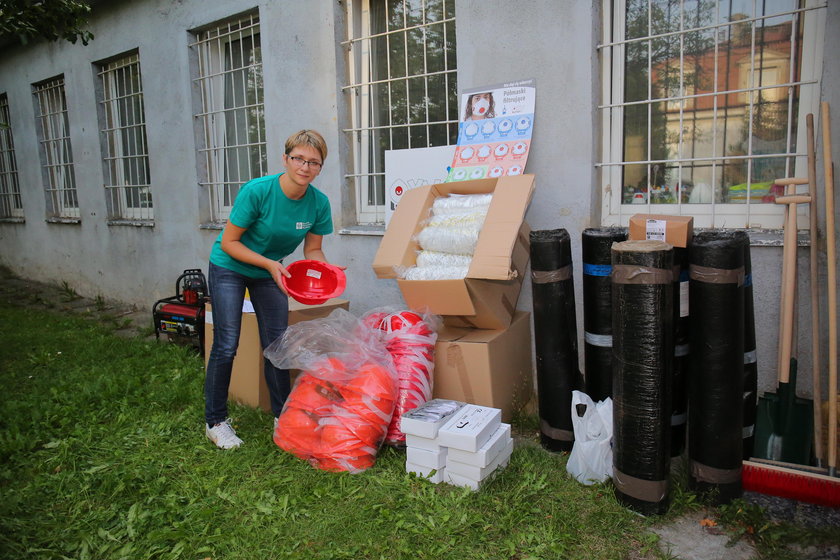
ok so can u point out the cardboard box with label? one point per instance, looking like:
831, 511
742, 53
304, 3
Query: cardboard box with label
247, 381
486, 367
675, 230
487, 297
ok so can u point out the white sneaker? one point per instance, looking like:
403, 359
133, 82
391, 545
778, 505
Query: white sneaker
223, 435
276, 419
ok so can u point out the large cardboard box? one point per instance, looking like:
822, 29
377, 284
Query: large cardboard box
247, 381
676, 230
487, 297
490, 368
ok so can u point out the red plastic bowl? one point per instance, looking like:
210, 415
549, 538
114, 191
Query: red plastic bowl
314, 282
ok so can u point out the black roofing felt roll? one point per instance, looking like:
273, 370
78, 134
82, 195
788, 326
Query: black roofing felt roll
643, 358
555, 335
750, 355
679, 416
596, 245
716, 369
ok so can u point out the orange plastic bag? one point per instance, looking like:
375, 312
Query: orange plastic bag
342, 403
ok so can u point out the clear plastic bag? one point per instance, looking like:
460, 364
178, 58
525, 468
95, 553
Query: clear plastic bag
591, 458
342, 402
457, 203
411, 339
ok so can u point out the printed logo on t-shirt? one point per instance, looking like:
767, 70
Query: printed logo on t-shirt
303, 225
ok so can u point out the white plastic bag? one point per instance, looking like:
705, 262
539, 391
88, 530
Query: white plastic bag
591, 457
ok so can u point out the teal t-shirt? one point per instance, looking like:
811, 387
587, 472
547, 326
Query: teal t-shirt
275, 224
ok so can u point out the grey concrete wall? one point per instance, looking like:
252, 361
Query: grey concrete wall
549, 40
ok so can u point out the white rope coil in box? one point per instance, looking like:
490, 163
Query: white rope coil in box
448, 239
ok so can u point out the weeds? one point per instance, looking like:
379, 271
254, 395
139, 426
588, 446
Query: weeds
68, 294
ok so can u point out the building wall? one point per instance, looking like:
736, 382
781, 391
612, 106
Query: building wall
553, 42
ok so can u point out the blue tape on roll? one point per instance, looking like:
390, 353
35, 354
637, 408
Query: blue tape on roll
597, 269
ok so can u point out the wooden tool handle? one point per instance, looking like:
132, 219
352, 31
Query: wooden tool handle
785, 181
831, 253
793, 199
816, 371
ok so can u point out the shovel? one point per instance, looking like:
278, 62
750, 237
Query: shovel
781, 433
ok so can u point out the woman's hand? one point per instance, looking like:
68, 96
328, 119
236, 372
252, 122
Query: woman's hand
277, 271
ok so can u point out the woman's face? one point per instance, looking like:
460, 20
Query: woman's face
303, 164
480, 104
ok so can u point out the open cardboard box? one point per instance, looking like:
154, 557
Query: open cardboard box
487, 297
247, 380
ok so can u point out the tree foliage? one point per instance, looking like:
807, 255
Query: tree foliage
50, 19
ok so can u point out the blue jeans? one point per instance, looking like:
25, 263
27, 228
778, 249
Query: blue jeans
227, 292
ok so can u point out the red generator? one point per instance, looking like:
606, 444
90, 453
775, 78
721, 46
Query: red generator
181, 317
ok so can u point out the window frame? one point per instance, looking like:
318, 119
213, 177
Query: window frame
11, 203
56, 150
125, 164
714, 214
210, 44
367, 168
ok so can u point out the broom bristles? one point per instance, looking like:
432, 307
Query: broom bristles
791, 483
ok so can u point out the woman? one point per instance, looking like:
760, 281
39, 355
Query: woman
270, 218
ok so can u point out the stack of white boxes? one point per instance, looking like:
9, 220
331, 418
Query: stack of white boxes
462, 444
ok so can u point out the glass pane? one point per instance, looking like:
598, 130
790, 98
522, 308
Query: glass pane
435, 54
637, 19
417, 100
437, 98
636, 79
434, 10
634, 181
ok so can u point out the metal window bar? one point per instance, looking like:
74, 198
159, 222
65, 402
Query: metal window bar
382, 98
612, 49
11, 205
57, 149
230, 82
127, 163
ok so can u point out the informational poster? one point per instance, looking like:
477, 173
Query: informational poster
494, 135
415, 167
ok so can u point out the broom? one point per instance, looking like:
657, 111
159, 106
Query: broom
787, 480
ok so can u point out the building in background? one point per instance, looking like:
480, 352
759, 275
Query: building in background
120, 160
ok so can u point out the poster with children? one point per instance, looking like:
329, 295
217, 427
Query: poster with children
494, 135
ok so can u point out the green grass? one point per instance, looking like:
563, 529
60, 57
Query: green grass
103, 456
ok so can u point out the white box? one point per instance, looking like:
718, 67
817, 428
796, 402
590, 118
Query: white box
470, 427
426, 458
487, 452
426, 472
417, 442
480, 473
426, 419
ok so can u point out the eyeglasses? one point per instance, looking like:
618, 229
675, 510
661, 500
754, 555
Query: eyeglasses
300, 162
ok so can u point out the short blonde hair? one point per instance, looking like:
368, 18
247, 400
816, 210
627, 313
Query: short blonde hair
307, 138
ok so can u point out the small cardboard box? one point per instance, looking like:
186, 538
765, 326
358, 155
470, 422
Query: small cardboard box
426, 419
247, 380
470, 427
487, 297
477, 473
486, 367
419, 442
426, 458
487, 452
675, 230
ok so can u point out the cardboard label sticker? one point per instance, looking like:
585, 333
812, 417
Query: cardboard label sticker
655, 229
312, 273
